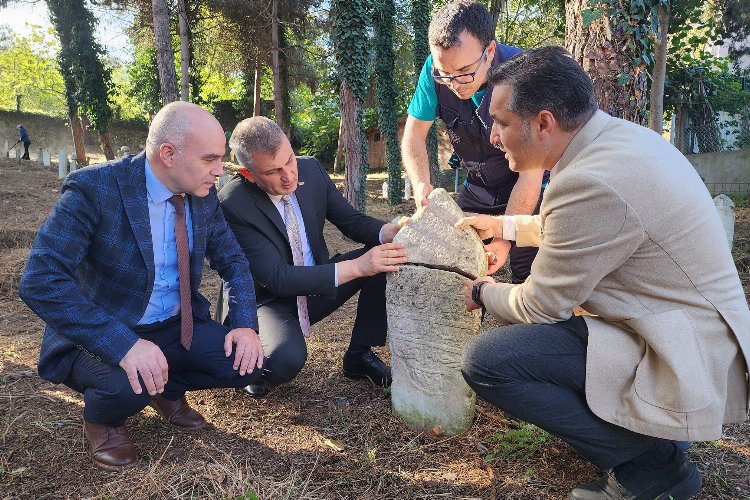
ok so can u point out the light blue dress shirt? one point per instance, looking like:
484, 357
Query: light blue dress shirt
165, 297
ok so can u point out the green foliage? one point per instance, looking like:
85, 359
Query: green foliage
30, 79
532, 23
87, 81
315, 122
387, 94
143, 75
520, 443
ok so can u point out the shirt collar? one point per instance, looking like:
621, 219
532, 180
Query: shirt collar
276, 198
156, 190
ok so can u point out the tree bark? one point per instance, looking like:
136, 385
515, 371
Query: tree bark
656, 105
602, 51
496, 6
339, 147
184, 51
76, 130
256, 85
277, 104
352, 145
164, 52
106, 144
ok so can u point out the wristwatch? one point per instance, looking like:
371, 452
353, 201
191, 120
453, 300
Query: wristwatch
476, 292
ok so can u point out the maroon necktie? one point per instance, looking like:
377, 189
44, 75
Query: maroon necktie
183, 268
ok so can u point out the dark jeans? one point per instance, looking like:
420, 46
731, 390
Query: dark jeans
107, 394
280, 332
26, 150
537, 373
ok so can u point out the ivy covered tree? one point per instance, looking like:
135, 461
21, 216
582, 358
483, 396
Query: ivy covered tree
164, 51
88, 82
387, 94
350, 20
420, 20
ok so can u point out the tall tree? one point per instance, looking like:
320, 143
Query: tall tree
87, 81
182, 19
387, 94
611, 42
164, 51
659, 73
420, 20
350, 37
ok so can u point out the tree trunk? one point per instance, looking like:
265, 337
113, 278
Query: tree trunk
76, 130
277, 104
88, 139
656, 105
680, 126
164, 52
602, 51
496, 6
351, 116
184, 51
256, 85
339, 148
106, 144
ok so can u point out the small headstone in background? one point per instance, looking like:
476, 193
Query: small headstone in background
18, 153
62, 164
385, 189
124, 151
725, 207
46, 158
6, 150
73, 162
39, 157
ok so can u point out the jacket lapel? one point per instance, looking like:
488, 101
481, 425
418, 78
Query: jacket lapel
132, 182
305, 195
264, 204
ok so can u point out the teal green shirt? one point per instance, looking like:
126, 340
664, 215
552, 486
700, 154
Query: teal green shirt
424, 102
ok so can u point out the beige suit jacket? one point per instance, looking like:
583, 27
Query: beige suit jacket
628, 231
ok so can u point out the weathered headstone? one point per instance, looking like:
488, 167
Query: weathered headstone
73, 162
725, 207
62, 164
124, 151
46, 158
428, 324
39, 157
6, 150
18, 153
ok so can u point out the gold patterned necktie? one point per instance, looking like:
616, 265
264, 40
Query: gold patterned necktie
183, 269
295, 241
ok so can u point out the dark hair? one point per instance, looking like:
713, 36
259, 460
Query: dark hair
547, 78
456, 17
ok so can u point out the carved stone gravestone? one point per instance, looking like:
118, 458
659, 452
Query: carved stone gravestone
725, 207
428, 324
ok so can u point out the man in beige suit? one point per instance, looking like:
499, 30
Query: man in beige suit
628, 231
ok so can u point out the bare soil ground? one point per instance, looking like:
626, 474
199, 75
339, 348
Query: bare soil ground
321, 436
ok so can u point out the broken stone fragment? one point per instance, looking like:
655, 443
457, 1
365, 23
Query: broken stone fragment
431, 239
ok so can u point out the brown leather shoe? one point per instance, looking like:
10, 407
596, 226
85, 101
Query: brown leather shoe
110, 447
178, 412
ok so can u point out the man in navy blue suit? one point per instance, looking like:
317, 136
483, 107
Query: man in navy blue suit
114, 273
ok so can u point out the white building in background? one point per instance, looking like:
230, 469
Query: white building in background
727, 132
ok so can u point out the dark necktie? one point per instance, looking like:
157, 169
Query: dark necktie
295, 241
183, 268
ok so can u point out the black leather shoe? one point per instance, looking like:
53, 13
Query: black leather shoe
258, 389
367, 365
682, 484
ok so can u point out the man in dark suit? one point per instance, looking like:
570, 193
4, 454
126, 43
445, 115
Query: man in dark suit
114, 273
277, 205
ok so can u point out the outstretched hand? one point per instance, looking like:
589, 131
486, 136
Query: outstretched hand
146, 359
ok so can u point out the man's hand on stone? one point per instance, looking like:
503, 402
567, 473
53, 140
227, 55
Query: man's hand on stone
421, 191
146, 359
486, 226
388, 232
381, 259
248, 350
468, 285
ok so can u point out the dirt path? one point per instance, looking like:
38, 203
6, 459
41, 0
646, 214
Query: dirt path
282, 446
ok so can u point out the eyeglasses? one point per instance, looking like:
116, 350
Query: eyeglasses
465, 78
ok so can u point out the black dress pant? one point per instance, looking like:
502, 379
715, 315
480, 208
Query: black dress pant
281, 335
537, 373
26, 150
109, 399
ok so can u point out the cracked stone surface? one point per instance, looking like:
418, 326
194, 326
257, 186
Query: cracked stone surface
428, 326
432, 241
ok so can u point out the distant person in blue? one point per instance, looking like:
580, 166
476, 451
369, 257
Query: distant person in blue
115, 272
452, 87
25, 140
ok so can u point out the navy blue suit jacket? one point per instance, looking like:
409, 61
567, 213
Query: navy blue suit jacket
90, 273
262, 234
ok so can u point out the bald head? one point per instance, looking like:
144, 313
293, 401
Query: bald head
175, 122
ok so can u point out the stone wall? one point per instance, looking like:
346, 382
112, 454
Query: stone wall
725, 172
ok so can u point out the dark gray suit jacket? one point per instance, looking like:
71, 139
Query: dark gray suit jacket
261, 232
